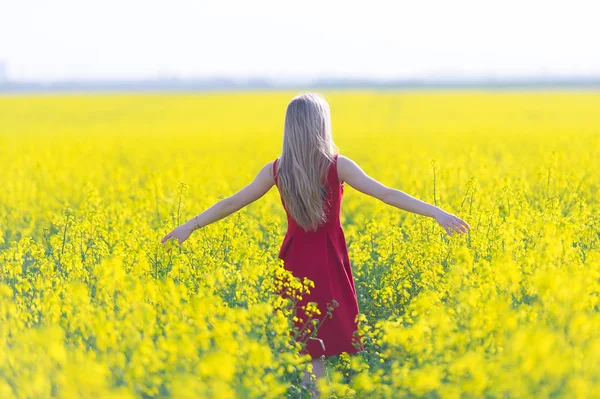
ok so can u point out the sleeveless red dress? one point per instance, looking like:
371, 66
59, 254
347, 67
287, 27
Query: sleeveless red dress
322, 256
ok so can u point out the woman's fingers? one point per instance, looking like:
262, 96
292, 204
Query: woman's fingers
165, 238
179, 240
462, 222
453, 227
172, 234
462, 228
458, 228
448, 231
452, 223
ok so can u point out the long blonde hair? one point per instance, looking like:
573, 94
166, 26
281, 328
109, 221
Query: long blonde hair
308, 151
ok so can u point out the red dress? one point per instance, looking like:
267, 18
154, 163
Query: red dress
322, 256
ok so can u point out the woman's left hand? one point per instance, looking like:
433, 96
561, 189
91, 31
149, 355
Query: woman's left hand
181, 233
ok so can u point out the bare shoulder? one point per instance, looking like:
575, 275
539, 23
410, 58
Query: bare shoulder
350, 172
346, 167
266, 172
342, 160
345, 161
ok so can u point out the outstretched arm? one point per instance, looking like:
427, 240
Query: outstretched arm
261, 184
351, 173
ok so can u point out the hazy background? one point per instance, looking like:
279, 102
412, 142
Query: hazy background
278, 41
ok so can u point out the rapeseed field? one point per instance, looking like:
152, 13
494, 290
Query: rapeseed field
93, 306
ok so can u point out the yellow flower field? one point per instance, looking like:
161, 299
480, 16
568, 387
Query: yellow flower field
92, 306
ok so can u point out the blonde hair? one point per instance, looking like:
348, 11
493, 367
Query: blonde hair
308, 151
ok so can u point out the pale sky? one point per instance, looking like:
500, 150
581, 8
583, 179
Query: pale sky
75, 39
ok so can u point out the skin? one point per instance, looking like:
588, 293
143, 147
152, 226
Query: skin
349, 172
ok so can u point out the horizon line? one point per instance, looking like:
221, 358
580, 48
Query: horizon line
267, 83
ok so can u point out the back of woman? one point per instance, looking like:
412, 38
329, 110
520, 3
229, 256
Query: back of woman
322, 256
310, 175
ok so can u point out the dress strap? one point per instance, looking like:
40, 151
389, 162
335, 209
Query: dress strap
275, 170
335, 167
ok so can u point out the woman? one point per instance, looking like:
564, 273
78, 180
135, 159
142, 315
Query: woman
310, 176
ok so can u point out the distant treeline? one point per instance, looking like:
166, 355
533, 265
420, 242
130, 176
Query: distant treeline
217, 84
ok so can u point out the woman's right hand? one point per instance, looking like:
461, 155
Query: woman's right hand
451, 223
